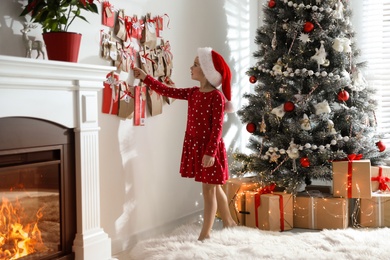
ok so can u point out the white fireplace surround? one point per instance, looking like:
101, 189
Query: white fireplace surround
64, 93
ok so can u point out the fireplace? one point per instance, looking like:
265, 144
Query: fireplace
37, 173
59, 99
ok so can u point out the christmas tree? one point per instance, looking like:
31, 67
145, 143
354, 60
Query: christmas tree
311, 104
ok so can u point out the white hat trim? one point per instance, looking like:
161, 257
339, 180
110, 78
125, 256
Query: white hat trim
207, 65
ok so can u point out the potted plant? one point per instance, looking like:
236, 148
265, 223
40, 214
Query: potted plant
55, 17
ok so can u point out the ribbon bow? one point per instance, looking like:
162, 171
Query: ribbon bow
382, 180
354, 157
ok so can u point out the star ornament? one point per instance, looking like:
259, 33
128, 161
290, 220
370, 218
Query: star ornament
303, 37
274, 157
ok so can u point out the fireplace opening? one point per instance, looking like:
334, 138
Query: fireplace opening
37, 189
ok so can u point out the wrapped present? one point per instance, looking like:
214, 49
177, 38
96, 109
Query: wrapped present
111, 94
139, 105
375, 212
235, 189
380, 178
316, 210
352, 179
269, 211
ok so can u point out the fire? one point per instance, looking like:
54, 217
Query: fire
18, 239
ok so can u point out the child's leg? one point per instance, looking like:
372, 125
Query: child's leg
223, 208
210, 209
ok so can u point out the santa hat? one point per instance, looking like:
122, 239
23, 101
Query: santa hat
217, 72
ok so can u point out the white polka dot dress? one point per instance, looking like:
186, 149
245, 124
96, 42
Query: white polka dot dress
203, 133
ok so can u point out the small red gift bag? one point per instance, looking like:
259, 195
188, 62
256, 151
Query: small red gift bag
139, 105
110, 94
108, 14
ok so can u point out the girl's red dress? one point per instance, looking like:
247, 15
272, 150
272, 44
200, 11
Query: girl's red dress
203, 132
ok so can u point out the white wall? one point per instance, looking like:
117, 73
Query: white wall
142, 192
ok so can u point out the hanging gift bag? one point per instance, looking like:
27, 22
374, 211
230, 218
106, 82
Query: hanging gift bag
120, 27
126, 101
137, 27
139, 105
149, 37
155, 102
167, 58
169, 83
110, 94
146, 61
108, 14
108, 46
158, 65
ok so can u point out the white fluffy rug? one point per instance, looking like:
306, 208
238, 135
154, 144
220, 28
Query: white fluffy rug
250, 243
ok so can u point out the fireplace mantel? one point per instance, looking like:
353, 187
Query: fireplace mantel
67, 94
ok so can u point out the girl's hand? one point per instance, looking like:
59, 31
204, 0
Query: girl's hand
139, 73
207, 161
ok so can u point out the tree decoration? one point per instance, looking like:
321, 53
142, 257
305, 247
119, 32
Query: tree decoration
288, 106
322, 108
342, 45
271, 4
262, 126
381, 146
343, 95
279, 111
305, 123
304, 162
252, 79
308, 27
251, 127
320, 56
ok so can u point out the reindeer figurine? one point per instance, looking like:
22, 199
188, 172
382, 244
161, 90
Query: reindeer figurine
30, 44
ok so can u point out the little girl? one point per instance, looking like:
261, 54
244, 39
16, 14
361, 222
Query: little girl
204, 154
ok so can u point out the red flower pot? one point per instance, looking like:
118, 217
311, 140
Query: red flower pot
62, 46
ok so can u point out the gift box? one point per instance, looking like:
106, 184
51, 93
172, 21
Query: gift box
139, 105
316, 210
380, 178
352, 179
271, 211
375, 212
235, 189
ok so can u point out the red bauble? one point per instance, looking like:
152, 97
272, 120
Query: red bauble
252, 79
289, 106
305, 162
271, 4
308, 27
343, 95
251, 127
381, 146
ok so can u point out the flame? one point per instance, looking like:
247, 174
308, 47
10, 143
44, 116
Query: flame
18, 239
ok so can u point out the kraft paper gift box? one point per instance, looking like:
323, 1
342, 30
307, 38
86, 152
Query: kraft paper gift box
375, 212
272, 211
380, 178
235, 189
139, 105
352, 179
320, 211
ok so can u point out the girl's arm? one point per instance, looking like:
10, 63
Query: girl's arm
178, 93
